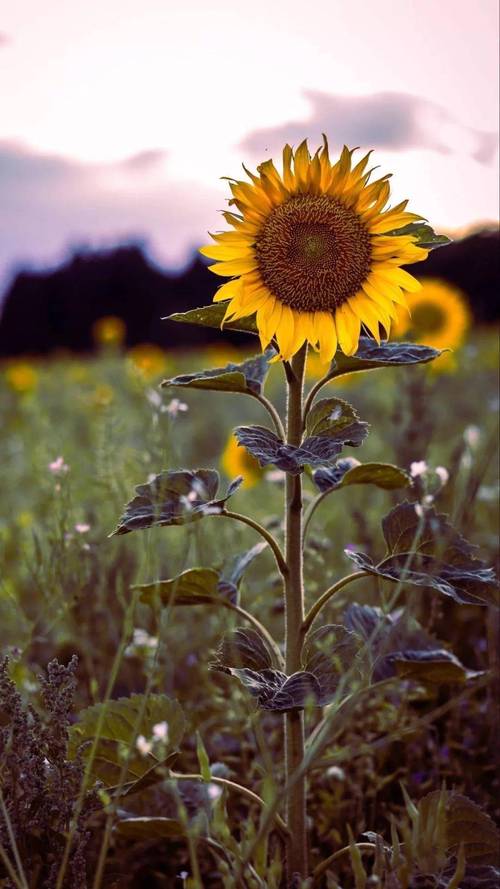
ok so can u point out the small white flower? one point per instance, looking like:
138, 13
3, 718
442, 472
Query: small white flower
472, 436
58, 466
442, 474
417, 468
82, 528
419, 509
214, 791
142, 639
336, 773
160, 731
176, 406
143, 745
428, 500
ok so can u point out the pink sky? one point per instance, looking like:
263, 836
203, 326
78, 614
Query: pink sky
118, 118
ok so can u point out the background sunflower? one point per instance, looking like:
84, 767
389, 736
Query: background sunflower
314, 252
438, 316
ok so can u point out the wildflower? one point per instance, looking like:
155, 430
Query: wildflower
82, 528
148, 360
237, 461
214, 791
419, 509
418, 468
438, 316
102, 395
312, 254
442, 474
142, 639
160, 731
58, 466
472, 436
109, 331
176, 406
21, 377
143, 745
335, 773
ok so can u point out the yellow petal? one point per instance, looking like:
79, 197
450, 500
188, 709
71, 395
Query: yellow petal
366, 311
327, 336
228, 290
285, 332
399, 276
234, 267
223, 252
348, 329
268, 318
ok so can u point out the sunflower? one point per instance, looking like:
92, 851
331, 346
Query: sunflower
438, 316
237, 461
311, 252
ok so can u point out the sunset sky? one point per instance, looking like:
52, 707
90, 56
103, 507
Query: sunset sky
118, 117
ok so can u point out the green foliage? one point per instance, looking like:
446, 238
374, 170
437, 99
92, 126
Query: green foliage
426, 551
350, 471
175, 498
212, 316
247, 378
424, 234
108, 734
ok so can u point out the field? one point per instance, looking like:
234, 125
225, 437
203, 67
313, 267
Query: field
78, 435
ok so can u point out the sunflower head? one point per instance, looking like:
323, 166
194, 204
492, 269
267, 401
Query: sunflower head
313, 254
437, 316
236, 460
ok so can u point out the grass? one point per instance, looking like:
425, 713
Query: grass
66, 589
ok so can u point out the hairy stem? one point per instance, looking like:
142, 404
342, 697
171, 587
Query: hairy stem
273, 413
294, 617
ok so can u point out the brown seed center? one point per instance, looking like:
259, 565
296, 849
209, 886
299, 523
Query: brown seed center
313, 253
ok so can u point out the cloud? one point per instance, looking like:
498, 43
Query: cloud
394, 121
52, 203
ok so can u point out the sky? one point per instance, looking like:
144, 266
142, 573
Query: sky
118, 118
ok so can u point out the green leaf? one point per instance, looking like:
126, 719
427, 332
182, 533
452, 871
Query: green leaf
425, 235
203, 760
329, 652
212, 316
154, 828
175, 498
350, 471
122, 721
331, 424
431, 554
195, 586
465, 823
337, 419
247, 377
370, 356
244, 647
275, 690
434, 666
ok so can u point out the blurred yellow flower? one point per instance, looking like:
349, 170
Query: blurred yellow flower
109, 331
102, 396
21, 377
148, 360
438, 316
237, 461
220, 355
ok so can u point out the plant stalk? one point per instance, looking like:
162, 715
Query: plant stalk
294, 617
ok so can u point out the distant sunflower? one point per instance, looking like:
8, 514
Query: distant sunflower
311, 254
237, 461
438, 316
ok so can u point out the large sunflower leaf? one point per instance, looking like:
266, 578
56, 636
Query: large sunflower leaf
247, 377
425, 235
431, 554
331, 424
329, 653
175, 498
246, 648
435, 665
338, 420
212, 316
465, 824
121, 721
370, 356
350, 471
195, 586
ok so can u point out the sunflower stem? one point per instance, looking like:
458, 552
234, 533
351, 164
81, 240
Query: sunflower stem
294, 617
